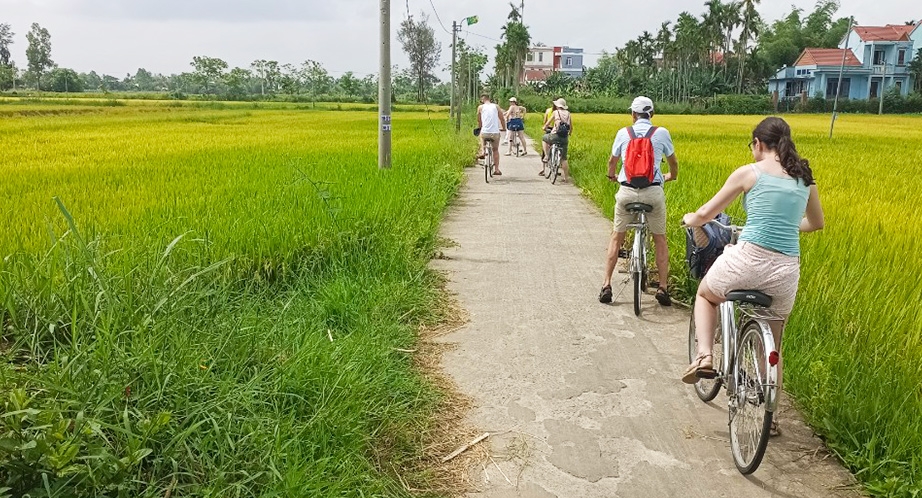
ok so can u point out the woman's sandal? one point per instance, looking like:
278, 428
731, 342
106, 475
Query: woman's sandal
698, 369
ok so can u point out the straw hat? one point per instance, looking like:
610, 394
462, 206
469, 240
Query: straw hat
561, 103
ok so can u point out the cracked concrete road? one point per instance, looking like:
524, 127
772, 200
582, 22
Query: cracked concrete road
586, 397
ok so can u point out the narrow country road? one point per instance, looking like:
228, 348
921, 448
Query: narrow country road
584, 399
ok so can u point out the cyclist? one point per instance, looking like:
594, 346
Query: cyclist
515, 122
547, 126
781, 200
491, 122
560, 123
642, 114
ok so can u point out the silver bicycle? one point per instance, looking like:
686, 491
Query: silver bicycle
637, 262
487, 159
553, 163
746, 364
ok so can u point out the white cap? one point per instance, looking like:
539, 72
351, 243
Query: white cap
642, 105
512, 99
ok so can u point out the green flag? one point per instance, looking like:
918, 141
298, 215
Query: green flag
471, 20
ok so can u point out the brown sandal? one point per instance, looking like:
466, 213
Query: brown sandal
699, 368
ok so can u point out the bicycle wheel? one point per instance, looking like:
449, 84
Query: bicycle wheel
637, 270
750, 419
706, 389
556, 168
488, 165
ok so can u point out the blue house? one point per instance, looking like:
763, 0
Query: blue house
872, 59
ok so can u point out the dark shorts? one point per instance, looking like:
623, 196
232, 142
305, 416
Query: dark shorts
516, 124
563, 142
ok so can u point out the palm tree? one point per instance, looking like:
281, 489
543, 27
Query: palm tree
750, 24
516, 42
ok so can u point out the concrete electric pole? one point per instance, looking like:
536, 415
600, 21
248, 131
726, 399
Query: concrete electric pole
384, 89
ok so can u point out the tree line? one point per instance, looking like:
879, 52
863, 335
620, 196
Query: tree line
728, 49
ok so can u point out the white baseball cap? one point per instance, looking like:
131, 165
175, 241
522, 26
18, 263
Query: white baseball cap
512, 99
642, 105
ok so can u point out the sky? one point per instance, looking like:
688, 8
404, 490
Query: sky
119, 36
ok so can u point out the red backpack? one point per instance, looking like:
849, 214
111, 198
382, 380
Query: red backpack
639, 167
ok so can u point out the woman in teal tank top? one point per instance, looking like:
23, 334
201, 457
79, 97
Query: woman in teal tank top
781, 201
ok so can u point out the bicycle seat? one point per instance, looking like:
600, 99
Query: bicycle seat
750, 297
639, 206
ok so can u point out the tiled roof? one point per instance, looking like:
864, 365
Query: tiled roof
826, 57
890, 32
535, 75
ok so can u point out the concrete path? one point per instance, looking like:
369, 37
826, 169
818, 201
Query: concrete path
586, 398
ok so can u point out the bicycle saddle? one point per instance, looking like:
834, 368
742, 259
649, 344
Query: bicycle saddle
639, 206
751, 297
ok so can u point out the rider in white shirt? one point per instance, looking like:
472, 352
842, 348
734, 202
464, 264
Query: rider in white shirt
491, 122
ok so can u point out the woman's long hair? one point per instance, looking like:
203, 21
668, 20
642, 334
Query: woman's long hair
775, 133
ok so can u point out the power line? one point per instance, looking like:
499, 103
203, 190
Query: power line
438, 18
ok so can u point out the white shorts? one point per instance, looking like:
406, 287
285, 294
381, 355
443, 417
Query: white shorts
747, 266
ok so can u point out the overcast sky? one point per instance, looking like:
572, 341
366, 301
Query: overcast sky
119, 36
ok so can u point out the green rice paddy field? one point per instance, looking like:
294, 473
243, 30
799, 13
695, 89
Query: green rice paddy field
853, 350
221, 303
218, 301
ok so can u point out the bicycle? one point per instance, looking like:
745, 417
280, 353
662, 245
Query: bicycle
637, 262
746, 363
553, 163
487, 159
518, 145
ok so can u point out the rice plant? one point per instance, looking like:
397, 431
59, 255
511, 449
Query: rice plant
216, 302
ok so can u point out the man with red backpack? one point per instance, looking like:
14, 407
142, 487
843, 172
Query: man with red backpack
642, 147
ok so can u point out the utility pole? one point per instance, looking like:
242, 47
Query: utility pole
384, 89
454, 56
835, 104
883, 81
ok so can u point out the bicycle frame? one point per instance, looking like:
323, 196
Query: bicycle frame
639, 251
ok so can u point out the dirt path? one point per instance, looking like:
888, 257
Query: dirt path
585, 396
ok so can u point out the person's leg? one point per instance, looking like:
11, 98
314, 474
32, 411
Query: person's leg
483, 148
706, 303
510, 138
545, 145
496, 157
564, 151
614, 246
662, 259
523, 142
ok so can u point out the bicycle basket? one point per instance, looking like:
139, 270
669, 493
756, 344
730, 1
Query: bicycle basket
700, 257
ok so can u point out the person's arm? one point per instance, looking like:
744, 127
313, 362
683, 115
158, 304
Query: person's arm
735, 185
613, 168
479, 117
673, 169
502, 121
669, 154
813, 220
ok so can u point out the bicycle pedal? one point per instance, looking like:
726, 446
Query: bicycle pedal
706, 374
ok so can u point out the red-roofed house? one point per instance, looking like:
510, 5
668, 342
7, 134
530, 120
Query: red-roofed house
872, 59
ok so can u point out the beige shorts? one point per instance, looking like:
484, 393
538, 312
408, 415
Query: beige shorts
493, 137
747, 266
654, 196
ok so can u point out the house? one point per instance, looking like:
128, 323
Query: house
871, 59
542, 61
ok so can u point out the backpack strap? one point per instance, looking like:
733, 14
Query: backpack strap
650, 132
630, 132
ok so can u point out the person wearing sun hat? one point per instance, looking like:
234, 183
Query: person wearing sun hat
642, 114
561, 125
515, 123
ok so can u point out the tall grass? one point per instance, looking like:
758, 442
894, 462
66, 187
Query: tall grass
853, 347
216, 302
